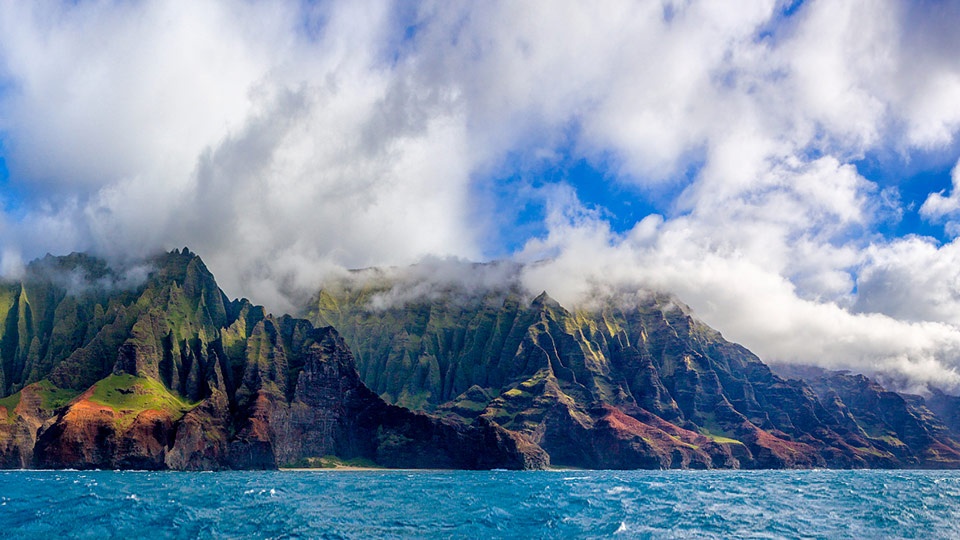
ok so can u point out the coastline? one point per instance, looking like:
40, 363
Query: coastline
341, 468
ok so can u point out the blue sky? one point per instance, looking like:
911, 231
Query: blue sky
784, 167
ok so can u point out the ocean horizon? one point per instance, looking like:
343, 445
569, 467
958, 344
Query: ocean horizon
562, 503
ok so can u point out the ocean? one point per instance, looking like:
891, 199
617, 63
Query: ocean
493, 504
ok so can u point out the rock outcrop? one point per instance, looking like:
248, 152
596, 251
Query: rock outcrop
21, 416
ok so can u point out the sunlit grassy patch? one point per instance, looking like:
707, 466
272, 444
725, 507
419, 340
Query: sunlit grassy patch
10, 403
53, 398
130, 395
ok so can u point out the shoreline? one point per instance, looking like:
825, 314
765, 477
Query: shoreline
341, 468
352, 468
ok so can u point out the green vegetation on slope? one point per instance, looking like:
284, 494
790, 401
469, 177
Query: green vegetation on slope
10, 403
53, 398
7, 299
130, 395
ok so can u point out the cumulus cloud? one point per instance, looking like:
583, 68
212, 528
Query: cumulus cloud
939, 207
274, 150
285, 141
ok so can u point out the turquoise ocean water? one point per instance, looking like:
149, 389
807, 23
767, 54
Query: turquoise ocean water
457, 504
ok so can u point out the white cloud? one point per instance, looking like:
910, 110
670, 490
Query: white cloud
284, 141
911, 279
749, 303
104, 91
938, 206
272, 152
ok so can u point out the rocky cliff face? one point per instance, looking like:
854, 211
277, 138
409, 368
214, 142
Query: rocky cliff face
102, 372
154, 368
900, 424
633, 382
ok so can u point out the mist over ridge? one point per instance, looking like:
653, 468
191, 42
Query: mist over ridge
859, 344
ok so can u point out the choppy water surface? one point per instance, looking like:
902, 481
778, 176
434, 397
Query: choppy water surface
556, 504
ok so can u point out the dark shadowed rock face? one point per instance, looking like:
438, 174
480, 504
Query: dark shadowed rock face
200, 438
168, 373
20, 419
333, 413
901, 425
946, 407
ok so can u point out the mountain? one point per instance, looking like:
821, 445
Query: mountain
153, 367
909, 422
633, 381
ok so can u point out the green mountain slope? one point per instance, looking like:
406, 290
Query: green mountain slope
634, 381
152, 367
101, 370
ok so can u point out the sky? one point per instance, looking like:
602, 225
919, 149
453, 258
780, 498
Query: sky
787, 168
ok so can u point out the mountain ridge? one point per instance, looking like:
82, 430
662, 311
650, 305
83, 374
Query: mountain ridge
154, 367
607, 386
169, 373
